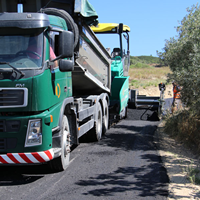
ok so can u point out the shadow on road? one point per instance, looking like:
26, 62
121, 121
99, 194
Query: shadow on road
130, 138
147, 185
20, 175
145, 176
142, 114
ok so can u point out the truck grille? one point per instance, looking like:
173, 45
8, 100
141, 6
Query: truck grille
9, 126
13, 97
7, 143
2, 126
2, 144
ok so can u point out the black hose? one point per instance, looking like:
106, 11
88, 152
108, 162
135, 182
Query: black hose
72, 26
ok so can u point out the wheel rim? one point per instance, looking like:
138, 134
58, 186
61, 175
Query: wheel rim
66, 142
106, 116
99, 121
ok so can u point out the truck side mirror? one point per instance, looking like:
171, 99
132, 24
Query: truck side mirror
66, 65
120, 30
66, 44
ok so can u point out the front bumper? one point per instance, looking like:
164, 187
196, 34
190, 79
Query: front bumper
27, 158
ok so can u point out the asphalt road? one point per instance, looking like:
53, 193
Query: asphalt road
124, 165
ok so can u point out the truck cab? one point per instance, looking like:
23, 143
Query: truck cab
32, 87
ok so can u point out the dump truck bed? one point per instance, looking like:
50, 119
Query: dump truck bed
92, 73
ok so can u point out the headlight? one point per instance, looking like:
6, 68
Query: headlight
34, 133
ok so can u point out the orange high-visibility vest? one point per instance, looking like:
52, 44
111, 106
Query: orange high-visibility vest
177, 94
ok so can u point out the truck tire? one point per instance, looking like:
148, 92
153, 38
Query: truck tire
61, 163
72, 26
95, 133
126, 112
105, 118
131, 105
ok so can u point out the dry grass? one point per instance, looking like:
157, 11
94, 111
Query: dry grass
150, 76
184, 127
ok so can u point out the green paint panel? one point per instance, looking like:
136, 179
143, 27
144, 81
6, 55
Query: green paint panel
50, 88
117, 67
44, 90
120, 92
20, 136
119, 85
58, 22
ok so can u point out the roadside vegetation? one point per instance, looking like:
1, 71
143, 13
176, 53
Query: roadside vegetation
182, 54
145, 60
146, 71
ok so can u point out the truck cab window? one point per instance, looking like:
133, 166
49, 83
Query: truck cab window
53, 53
22, 49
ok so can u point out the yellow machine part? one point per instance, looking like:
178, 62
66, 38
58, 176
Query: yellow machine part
109, 28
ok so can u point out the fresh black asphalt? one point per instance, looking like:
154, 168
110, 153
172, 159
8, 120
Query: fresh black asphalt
125, 164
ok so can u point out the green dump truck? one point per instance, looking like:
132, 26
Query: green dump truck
55, 81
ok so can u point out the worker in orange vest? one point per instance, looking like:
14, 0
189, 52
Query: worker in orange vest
176, 104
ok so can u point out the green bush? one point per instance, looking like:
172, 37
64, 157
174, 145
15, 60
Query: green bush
140, 65
182, 54
144, 59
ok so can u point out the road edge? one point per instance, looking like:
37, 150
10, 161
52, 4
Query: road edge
177, 160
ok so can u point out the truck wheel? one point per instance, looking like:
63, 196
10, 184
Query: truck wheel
126, 112
131, 105
61, 163
105, 118
95, 133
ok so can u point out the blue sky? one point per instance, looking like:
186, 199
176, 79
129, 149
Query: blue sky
151, 22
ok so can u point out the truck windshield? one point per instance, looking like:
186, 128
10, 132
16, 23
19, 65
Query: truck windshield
23, 49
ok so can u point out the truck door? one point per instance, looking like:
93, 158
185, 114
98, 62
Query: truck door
60, 80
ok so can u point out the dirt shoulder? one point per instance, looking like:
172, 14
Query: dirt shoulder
177, 159
154, 91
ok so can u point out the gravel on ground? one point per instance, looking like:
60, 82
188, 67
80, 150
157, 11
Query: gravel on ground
179, 162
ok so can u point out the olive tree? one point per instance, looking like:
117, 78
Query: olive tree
182, 54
